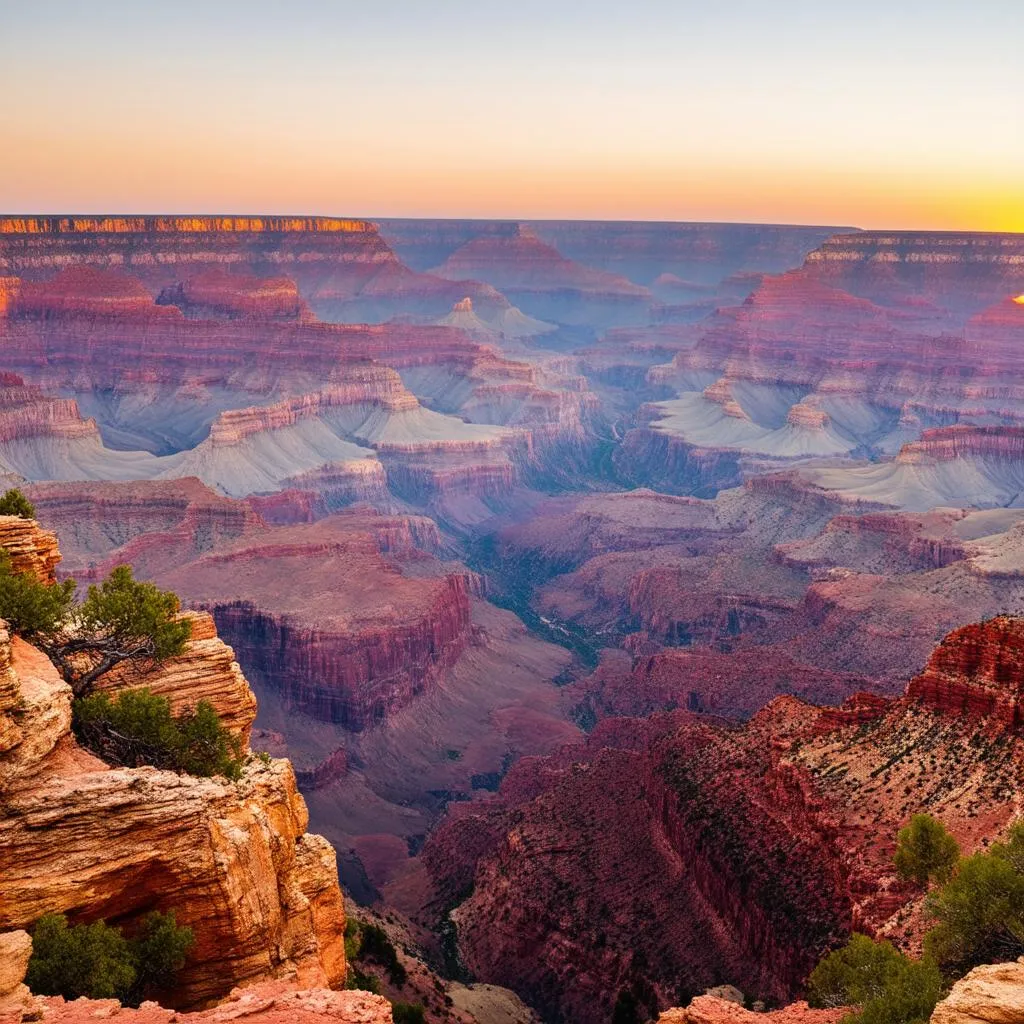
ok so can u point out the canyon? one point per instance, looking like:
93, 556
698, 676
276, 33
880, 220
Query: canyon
613, 588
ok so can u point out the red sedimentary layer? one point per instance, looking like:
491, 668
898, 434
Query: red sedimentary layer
962, 441
735, 685
218, 293
723, 852
331, 260
318, 612
25, 412
266, 1003
151, 525
978, 672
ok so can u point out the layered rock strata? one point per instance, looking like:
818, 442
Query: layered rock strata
233, 860
769, 843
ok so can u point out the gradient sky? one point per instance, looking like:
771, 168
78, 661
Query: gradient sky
876, 113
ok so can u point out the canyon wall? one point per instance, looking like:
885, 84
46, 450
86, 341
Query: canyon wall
727, 852
232, 860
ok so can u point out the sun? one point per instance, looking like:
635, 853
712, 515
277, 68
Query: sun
1019, 299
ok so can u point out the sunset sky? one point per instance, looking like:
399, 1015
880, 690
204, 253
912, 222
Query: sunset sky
875, 113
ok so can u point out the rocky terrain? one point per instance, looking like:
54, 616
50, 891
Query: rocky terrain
233, 860
595, 577
673, 853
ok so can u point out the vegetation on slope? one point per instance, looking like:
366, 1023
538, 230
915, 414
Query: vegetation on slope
121, 620
978, 911
137, 727
14, 503
98, 961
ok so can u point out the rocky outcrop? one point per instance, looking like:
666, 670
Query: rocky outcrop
317, 613
992, 994
768, 842
233, 860
151, 525
205, 670
218, 293
977, 673
30, 548
709, 1009
875, 338
16, 1002
266, 1003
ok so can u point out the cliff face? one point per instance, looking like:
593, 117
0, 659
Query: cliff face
319, 614
30, 548
747, 852
340, 266
205, 670
875, 338
978, 673
232, 860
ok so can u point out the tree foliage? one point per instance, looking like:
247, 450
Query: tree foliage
122, 619
31, 608
408, 1013
925, 851
886, 986
979, 913
97, 961
14, 503
81, 960
137, 727
854, 974
979, 918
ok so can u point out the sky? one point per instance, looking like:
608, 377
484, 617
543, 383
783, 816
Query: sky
868, 113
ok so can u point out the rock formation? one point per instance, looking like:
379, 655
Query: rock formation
233, 860
341, 267
743, 854
993, 994
265, 1003
876, 353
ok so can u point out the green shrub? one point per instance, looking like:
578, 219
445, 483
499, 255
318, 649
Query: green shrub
130, 612
91, 960
925, 851
120, 620
854, 974
160, 950
362, 982
888, 987
136, 727
14, 503
909, 998
407, 1013
980, 911
31, 608
352, 941
97, 961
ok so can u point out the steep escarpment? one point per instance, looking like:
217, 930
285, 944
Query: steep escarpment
318, 613
233, 860
342, 267
978, 673
768, 842
874, 339
248, 397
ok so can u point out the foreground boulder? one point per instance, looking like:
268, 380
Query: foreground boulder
992, 994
